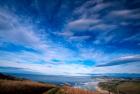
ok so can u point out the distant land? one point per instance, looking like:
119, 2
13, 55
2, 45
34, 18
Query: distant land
118, 75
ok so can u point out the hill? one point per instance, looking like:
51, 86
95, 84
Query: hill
13, 85
8, 77
121, 86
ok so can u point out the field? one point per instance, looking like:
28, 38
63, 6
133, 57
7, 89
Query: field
129, 87
121, 87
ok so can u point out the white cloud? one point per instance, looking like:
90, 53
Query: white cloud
94, 54
82, 24
79, 38
104, 27
132, 38
26, 34
123, 60
127, 68
91, 8
30, 61
64, 33
18, 33
51, 69
126, 14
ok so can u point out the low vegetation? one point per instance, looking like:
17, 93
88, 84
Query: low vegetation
68, 90
129, 88
23, 87
11, 85
121, 87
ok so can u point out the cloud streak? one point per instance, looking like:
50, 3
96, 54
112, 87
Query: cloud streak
81, 36
18, 33
122, 60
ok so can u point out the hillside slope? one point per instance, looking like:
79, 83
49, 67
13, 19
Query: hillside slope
13, 85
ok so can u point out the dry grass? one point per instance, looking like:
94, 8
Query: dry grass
69, 90
29, 87
121, 87
23, 87
129, 87
12, 85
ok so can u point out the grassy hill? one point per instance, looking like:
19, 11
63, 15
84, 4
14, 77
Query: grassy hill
8, 77
13, 85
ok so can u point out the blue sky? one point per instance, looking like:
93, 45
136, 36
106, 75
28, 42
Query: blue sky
70, 37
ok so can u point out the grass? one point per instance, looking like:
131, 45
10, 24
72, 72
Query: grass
23, 87
121, 87
68, 90
129, 88
52, 91
29, 87
13, 85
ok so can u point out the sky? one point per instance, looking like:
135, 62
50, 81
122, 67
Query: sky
70, 37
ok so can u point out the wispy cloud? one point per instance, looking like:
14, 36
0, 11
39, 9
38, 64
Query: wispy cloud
126, 14
50, 69
67, 39
18, 33
122, 60
82, 24
126, 68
